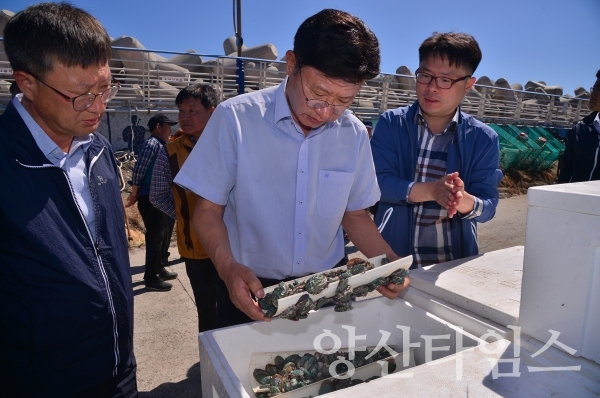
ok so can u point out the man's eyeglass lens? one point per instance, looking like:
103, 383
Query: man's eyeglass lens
320, 104
441, 82
84, 101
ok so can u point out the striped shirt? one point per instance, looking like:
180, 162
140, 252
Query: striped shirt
433, 230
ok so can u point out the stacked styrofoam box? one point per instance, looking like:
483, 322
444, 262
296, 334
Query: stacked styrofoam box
561, 272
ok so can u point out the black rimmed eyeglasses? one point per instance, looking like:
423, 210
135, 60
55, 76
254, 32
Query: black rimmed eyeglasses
442, 82
318, 104
84, 101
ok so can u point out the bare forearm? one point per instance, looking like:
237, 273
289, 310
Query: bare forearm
363, 233
212, 233
133, 196
239, 279
466, 204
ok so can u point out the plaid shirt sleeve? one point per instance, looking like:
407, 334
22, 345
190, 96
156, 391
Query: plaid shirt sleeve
147, 154
161, 194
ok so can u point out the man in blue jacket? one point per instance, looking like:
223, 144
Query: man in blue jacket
437, 167
66, 302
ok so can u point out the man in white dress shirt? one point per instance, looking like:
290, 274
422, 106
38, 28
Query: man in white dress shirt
280, 171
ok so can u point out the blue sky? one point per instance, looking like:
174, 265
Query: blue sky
521, 40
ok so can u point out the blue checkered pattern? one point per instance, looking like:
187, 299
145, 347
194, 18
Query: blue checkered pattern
147, 154
161, 193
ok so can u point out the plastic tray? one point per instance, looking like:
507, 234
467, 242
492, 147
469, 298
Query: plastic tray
379, 271
261, 359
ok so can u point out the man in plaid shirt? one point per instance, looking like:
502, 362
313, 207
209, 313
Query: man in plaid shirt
158, 224
437, 167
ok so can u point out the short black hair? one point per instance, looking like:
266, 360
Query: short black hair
460, 49
203, 92
45, 33
598, 74
339, 45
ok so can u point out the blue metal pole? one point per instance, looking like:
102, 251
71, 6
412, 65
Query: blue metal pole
240, 76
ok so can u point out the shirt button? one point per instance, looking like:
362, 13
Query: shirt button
301, 202
298, 263
301, 171
299, 233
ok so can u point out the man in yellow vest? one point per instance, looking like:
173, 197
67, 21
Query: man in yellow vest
196, 104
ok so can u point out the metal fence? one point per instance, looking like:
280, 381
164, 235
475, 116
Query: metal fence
150, 83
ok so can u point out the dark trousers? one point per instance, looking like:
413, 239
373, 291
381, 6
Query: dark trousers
203, 278
157, 241
229, 315
124, 385
170, 226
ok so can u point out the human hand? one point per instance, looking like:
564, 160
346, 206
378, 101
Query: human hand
458, 190
391, 290
442, 191
131, 199
241, 283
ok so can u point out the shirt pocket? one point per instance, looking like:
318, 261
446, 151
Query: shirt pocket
332, 193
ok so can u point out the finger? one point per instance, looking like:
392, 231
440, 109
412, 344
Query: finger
451, 201
244, 302
253, 311
263, 317
386, 291
254, 284
452, 176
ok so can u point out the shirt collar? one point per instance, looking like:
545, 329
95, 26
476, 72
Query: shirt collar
282, 109
597, 122
48, 147
419, 119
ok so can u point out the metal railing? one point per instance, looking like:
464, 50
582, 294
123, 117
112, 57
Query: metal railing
150, 83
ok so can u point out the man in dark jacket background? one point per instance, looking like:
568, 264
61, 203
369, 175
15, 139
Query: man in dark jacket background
66, 303
581, 159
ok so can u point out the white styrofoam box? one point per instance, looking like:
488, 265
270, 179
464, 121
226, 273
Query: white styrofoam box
225, 354
469, 321
488, 284
561, 270
552, 373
